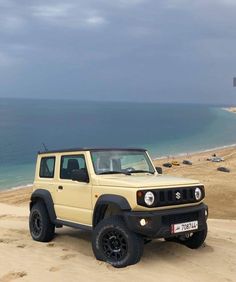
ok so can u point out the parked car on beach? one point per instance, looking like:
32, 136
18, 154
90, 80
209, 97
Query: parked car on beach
119, 196
223, 169
167, 165
217, 159
175, 163
187, 162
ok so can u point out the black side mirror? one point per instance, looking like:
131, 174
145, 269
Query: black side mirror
159, 170
80, 175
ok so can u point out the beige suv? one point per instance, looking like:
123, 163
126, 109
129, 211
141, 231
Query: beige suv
119, 195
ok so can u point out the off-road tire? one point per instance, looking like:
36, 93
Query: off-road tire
115, 244
193, 242
196, 240
41, 228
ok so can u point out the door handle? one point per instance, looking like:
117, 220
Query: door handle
60, 187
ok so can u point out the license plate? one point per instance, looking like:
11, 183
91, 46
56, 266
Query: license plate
184, 227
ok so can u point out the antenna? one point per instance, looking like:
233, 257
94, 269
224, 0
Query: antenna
45, 147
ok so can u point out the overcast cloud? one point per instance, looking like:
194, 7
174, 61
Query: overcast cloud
142, 50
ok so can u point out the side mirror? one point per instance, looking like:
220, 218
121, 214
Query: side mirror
80, 175
159, 170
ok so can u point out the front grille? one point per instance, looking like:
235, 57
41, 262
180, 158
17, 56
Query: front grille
179, 218
168, 197
172, 196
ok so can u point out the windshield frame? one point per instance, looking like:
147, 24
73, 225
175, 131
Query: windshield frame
150, 164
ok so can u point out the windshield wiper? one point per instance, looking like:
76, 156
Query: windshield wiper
141, 171
115, 172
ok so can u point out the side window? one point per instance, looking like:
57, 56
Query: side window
71, 163
47, 167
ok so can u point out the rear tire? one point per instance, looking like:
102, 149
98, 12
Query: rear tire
115, 244
196, 240
41, 228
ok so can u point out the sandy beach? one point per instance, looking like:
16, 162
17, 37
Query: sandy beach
220, 186
231, 109
69, 256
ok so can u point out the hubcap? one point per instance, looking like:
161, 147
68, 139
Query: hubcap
36, 223
114, 245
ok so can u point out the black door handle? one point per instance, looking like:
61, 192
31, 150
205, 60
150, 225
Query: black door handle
60, 187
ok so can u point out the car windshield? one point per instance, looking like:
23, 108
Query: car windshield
118, 161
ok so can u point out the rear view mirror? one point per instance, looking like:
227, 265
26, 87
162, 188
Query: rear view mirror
159, 170
80, 175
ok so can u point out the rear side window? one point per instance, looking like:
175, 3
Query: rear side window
70, 164
47, 167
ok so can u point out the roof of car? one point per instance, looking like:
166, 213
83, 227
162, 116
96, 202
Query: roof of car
90, 149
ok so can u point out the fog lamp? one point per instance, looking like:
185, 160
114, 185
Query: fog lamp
143, 222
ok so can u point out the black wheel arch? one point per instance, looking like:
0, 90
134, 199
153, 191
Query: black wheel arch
46, 197
104, 201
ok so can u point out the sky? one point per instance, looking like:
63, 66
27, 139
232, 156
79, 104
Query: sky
119, 50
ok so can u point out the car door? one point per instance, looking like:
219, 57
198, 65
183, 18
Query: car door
73, 198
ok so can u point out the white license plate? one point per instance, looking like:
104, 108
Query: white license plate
184, 227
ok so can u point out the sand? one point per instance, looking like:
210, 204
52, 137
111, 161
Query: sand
220, 187
69, 256
231, 109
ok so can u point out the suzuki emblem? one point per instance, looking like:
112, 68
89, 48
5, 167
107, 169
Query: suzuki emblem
177, 195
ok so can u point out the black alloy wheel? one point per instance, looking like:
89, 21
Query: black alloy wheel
114, 244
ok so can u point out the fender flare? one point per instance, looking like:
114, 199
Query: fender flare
105, 200
45, 196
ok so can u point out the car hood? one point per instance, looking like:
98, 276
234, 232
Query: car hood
142, 181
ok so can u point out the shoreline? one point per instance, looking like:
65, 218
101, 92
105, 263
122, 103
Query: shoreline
177, 155
219, 186
163, 157
14, 188
230, 109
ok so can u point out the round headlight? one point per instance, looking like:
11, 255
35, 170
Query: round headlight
149, 198
198, 194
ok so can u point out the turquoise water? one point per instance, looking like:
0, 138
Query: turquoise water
164, 129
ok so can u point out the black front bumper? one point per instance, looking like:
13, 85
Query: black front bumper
159, 222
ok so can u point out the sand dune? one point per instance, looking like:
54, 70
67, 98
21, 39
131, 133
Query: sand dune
69, 256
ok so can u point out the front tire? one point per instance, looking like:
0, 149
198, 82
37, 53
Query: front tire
115, 244
41, 228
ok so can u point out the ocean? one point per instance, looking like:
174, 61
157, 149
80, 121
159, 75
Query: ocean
164, 129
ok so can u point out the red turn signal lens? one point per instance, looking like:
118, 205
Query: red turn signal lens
140, 194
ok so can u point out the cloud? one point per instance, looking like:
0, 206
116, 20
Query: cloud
127, 3
69, 15
95, 21
12, 54
123, 46
6, 60
141, 32
12, 23
208, 4
6, 3
52, 11
227, 2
